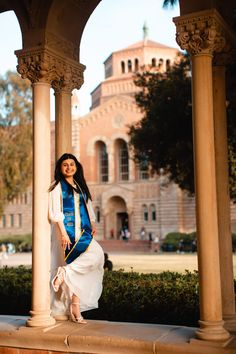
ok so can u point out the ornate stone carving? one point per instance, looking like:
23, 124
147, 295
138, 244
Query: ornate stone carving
45, 65
201, 33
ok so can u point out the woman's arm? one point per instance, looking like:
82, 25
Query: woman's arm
56, 215
92, 216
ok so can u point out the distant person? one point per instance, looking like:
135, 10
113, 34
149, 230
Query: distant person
156, 243
108, 265
4, 251
194, 246
181, 246
143, 233
112, 233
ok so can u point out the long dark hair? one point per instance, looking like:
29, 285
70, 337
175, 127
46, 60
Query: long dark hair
78, 176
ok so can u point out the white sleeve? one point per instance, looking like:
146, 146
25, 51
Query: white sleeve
55, 213
91, 211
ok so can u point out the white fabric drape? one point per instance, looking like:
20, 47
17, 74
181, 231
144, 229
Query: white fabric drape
83, 277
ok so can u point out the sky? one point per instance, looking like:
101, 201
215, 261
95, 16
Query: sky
114, 25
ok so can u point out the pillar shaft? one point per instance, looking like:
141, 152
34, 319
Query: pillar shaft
63, 125
41, 229
211, 324
223, 199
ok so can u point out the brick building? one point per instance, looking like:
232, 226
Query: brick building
123, 193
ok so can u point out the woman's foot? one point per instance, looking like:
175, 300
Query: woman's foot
75, 313
58, 279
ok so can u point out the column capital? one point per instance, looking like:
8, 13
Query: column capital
202, 33
46, 65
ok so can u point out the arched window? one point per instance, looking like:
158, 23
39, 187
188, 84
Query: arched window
167, 64
122, 67
154, 62
153, 212
129, 66
98, 214
123, 161
103, 163
136, 65
145, 212
160, 64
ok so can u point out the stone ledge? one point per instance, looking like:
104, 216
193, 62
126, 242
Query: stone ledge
102, 337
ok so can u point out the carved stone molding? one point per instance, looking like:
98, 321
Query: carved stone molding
204, 32
46, 65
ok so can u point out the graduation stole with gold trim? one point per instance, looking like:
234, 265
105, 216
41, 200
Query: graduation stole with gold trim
68, 204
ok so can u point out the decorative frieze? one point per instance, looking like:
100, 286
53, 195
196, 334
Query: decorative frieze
45, 65
202, 33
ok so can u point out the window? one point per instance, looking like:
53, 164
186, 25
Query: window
167, 64
103, 163
11, 220
4, 220
129, 66
20, 220
145, 213
160, 64
122, 67
98, 214
154, 62
136, 65
123, 162
153, 212
143, 170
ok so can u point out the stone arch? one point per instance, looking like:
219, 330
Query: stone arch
91, 144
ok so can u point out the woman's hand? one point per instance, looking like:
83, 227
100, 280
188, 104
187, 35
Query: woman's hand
65, 242
94, 231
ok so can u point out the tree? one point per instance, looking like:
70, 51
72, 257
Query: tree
15, 136
164, 136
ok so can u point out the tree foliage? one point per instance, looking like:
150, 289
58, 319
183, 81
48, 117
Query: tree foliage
15, 136
164, 136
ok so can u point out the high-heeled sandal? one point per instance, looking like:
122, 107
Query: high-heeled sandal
79, 319
60, 277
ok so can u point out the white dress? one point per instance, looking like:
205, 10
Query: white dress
83, 276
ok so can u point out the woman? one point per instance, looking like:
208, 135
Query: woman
77, 259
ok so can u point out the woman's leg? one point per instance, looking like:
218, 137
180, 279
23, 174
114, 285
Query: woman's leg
75, 310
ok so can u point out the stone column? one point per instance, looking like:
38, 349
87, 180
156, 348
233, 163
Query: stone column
223, 199
63, 126
34, 66
201, 35
69, 76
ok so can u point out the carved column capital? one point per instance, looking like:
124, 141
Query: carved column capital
204, 32
46, 65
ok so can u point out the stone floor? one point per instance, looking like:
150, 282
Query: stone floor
103, 337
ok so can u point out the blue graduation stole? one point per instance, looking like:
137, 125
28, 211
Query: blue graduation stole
77, 246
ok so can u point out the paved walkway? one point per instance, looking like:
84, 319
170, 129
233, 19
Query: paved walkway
103, 337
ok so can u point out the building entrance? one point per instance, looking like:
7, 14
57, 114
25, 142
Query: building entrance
122, 222
117, 217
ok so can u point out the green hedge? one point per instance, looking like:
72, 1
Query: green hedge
172, 239
15, 290
165, 298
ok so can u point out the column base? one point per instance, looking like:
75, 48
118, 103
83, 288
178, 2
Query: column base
212, 331
40, 319
230, 322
